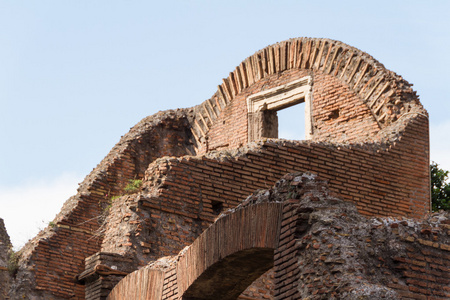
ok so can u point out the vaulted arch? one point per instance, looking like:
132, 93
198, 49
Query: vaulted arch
385, 95
221, 263
231, 254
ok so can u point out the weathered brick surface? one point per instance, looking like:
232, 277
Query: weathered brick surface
178, 198
369, 152
370, 141
147, 233
262, 288
367, 96
325, 249
5, 246
354, 121
189, 186
340, 254
384, 181
51, 260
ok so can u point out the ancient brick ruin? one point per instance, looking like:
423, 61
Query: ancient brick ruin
350, 219
5, 245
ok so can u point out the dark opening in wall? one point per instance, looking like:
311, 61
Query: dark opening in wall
217, 206
333, 114
231, 275
291, 122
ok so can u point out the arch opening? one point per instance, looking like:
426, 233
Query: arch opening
230, 276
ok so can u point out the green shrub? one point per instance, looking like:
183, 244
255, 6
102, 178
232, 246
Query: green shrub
440, 188
133, 185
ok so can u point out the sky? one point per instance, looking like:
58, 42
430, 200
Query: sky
77, 75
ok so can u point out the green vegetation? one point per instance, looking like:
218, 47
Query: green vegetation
51, 224
133, 185
440, 189
13, 262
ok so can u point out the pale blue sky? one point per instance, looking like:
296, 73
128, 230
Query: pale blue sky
76, 75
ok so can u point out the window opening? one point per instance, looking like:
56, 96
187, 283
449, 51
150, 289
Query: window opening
291, 122
262, 108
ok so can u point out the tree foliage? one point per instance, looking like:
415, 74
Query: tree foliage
440, 189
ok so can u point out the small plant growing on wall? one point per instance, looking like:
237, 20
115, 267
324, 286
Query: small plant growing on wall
133, 185
110, 202
13, 262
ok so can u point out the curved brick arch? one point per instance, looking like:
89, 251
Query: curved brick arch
251, 232
141, 284
244, 239
387, 95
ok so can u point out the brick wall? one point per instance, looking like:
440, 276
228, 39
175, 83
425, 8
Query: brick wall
327, 250
5, 246
354, 95
180, 197
423, 269
338, 113
385, 180
261, 288
149, 283
370, 152
53, 258
148, 232
323, 249
370, 142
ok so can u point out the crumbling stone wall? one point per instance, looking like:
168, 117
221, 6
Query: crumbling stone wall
370, 140
341, 255
194, 184
330, 251
50, 261
5, 247
148, 232
325, 250
180, 196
